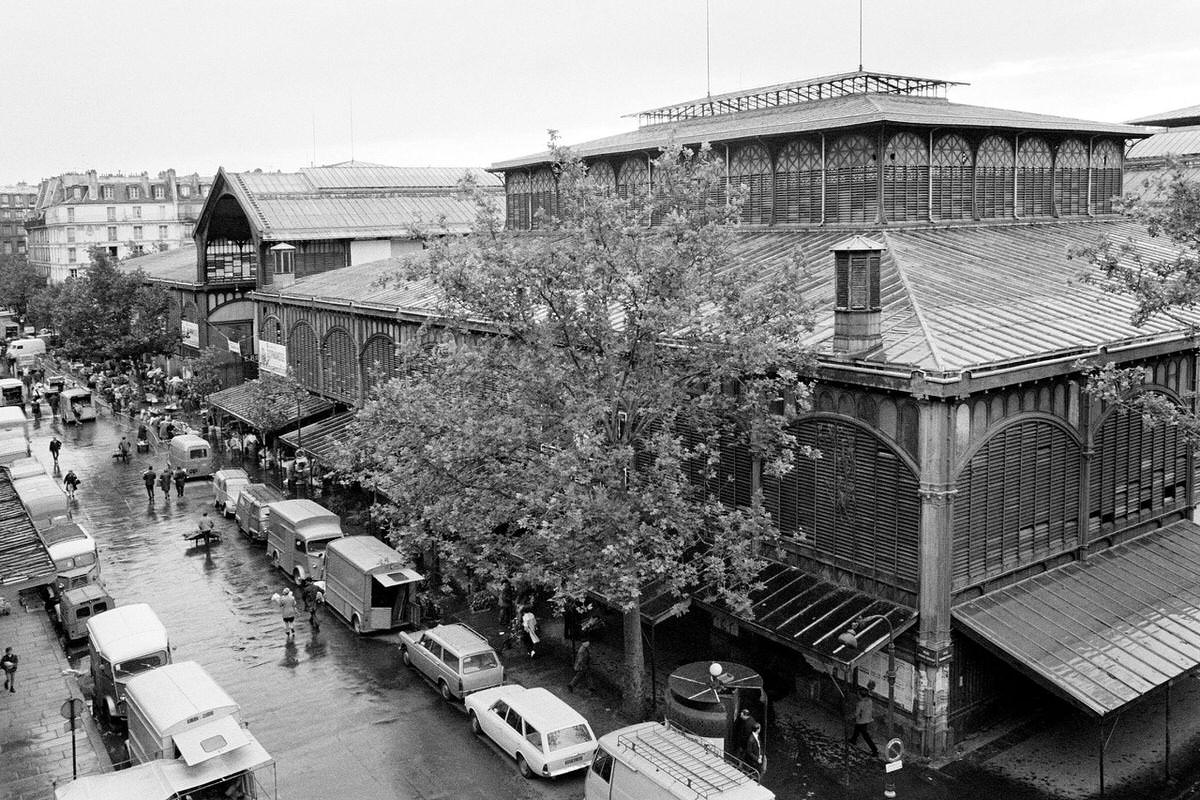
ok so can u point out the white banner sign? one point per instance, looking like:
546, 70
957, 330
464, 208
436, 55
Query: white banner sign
234, 347
272, 358
191, 333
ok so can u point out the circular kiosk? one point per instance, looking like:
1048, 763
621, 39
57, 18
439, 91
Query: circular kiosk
705, 698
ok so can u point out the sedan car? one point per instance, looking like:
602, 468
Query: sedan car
545, 735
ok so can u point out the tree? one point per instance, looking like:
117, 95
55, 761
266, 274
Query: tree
107, 313
205, 371
572, 428
271, 401
1159, 279
19, 283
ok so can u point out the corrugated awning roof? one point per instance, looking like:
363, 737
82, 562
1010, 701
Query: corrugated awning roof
177, 266
806, 613
24, 561
1102, 632
1177, 142
321, 439
239, 402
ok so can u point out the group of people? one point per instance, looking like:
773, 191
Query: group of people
312, 597
163, 480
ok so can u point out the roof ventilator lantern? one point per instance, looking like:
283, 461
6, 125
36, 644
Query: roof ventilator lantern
857, 307
283, 264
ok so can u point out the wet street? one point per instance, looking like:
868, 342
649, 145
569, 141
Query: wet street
340, 714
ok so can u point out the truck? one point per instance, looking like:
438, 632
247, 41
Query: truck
123, 642
369, 584
659, 761
297, 533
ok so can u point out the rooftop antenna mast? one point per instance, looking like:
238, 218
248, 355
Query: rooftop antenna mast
352, 127
707, 50
314, 132
860, 2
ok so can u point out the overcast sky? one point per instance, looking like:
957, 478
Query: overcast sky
143, 86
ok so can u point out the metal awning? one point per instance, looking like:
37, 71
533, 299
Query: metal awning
239, 401
321, 439
1105, 631
805, 612
24, 560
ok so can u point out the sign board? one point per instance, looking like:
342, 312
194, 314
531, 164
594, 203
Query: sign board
70, 709
191, 333
893, 766
874, 668
234, 347
272, 358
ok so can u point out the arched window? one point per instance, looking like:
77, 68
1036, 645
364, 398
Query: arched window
750, 167
516, 194
632, 178
543, 197
603, 176
798, 182
905, 178
380, 361
994, 178
1071, 178
339, 365
1107, 160
304, 356
271, 330
851, 180
1035, 177
953, 177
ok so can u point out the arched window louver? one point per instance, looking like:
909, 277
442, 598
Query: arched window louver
1071, 178
1107, 159
1035, 177
603, 177
632, 178
851, 181
905, 178
380, 361
304, 356
953, 176
339, 365
994, 179
798, 182
516, 193
750, 167
543, 197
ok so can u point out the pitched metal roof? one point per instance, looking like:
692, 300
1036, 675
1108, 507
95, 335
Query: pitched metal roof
321, 439
833, 114
239, 401
176, 266
1170, 119
24, 560
1105, 631
1182, 141
375, 284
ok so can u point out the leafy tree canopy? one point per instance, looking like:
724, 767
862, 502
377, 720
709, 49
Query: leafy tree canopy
19, 283
571, 419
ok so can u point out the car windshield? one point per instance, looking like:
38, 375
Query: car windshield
127, 669
568, 737
318, 545
478, 662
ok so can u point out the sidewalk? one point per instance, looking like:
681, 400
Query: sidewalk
35, 740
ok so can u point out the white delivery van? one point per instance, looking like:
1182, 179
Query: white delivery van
658, 761
13, 421
24, 352
123, 642
43, 499
72, 399
227, 485
297, 533
368, 584
192, 453
12, 393
254, 508
74, 552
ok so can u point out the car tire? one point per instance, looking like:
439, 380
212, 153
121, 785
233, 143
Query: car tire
356, 624
275, 559
405, 657
476, 728
444, 690
523, 767
297, 576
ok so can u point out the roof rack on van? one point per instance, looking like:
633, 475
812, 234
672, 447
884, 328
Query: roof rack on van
684, 764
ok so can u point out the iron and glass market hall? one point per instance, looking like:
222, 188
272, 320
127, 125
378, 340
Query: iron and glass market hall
1019, 536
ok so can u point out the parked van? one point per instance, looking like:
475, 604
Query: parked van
77, 606
12, 393
658, 761
227, 485
13, 448
456, 658
368, 584
43, 499
297, 533
122, 643
192, 453
25, 351
254, 507
13, 421
72, 399
74, 552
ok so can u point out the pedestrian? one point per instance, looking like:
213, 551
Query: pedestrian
235, 447
55, 448
312, 596
76, 412
864, 714
741, 732
71, 483
753, 749
124, 449
529, 634
583, 666
180, 480
287, 606
164, 481
205, 527
149, 477
250, 444
9, 663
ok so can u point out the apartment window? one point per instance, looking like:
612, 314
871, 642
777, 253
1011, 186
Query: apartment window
134, 192
284, 258
71, 255
77, 192
71, 214
112, 213
106, 192
74, 272
137, 212
137, 250
137, 231
162, 212
112, 233
185, 191
8, 248
162, 231
159, 193
4, 199
70, 234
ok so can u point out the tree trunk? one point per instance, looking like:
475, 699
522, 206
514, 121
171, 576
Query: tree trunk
635, 662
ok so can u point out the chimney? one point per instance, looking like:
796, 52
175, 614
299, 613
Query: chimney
857, 308
93, 185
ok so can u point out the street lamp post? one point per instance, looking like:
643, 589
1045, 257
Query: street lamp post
849, 637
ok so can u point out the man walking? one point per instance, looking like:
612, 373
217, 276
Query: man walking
864, 714
310, 593
583, 666
8, 662
149, 477
180, 480
164, 481
55, 448
287, 607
